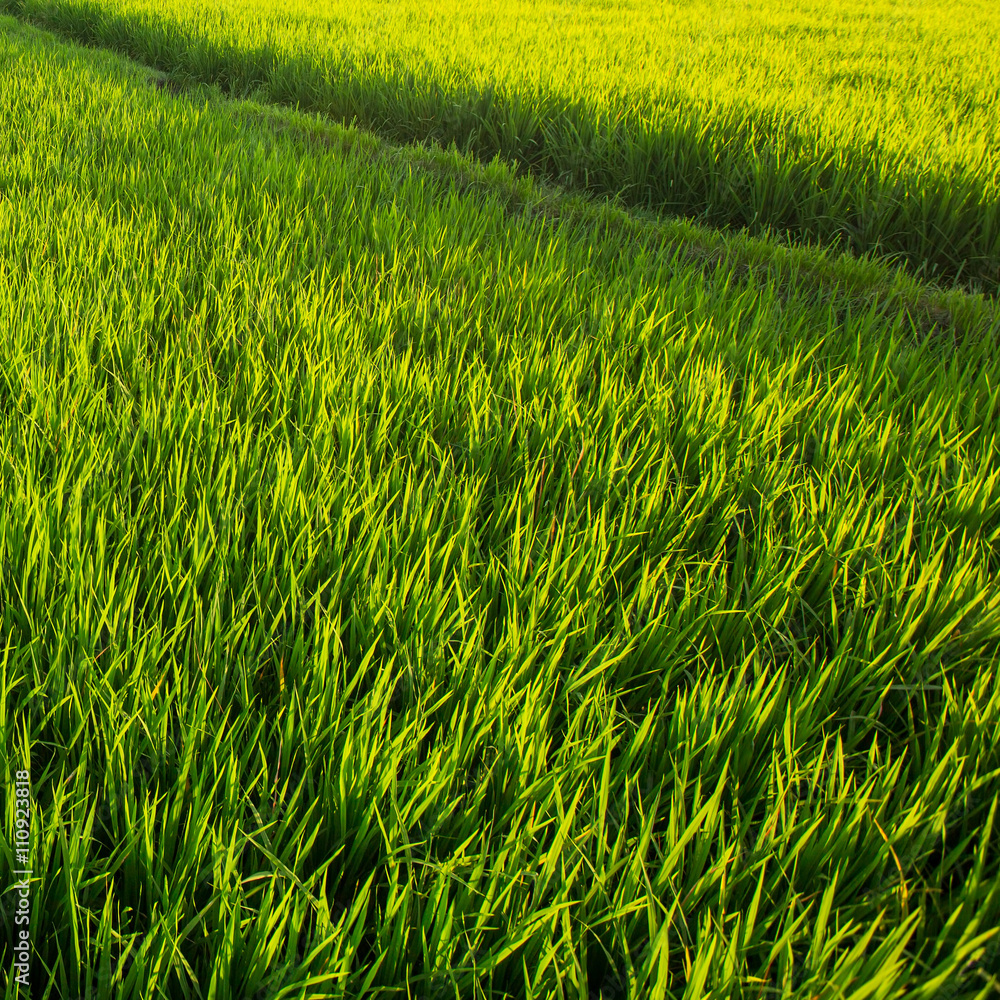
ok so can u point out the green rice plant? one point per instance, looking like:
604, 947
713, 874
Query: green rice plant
417, 582
872, 127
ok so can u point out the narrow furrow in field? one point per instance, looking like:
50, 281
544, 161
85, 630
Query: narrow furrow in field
851, 128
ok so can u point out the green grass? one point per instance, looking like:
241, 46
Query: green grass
418, 582
870, 126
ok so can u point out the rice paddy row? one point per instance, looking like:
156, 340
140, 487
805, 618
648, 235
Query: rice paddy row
870, 127
414, 588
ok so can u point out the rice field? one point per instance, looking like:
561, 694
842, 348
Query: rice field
871, 126
423, 577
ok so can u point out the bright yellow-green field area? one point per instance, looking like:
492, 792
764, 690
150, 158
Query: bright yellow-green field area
920, 78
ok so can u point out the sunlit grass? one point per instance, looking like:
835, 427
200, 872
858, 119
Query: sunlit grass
418, 583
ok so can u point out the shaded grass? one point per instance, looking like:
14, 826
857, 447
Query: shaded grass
406, 596
844, 278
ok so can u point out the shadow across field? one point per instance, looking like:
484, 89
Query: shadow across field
817, 274
736, 169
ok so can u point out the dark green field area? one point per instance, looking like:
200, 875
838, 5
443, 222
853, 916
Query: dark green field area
421, 580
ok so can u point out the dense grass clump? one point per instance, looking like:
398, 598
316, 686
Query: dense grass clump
416, 582
874, 127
